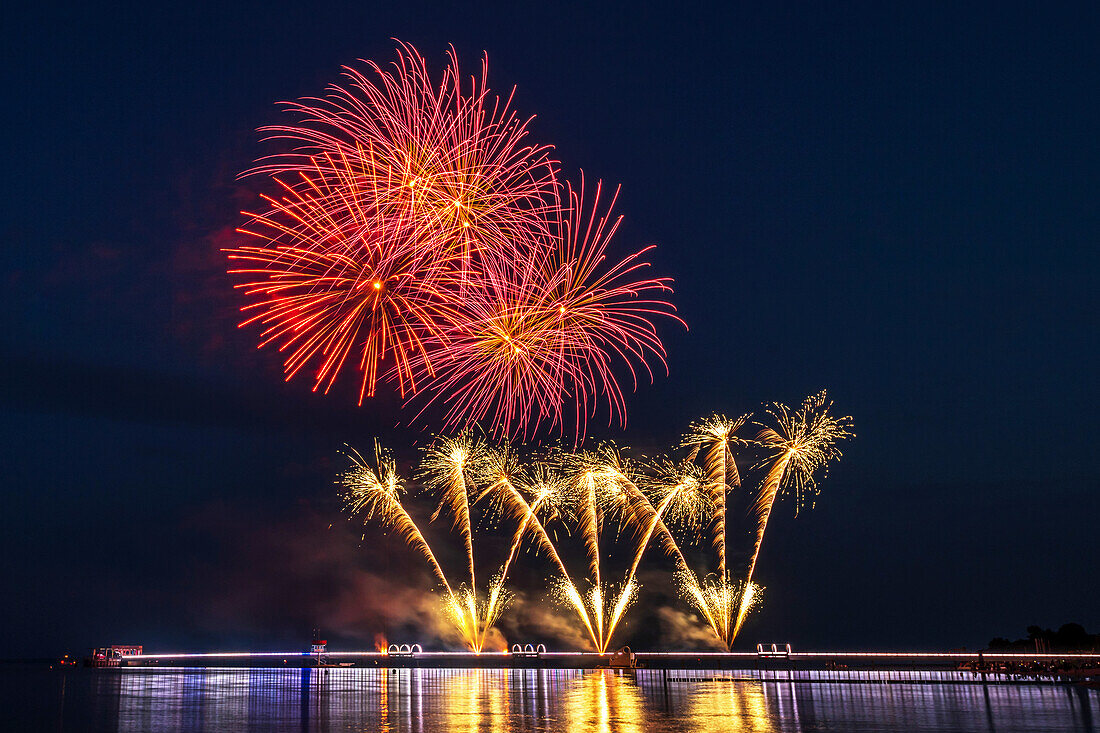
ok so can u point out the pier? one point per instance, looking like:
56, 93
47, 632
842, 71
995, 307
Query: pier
763, 664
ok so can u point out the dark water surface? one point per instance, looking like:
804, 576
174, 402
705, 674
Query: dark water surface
518, 700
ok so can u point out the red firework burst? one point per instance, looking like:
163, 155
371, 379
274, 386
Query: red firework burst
420, 239
447, 158
333, 282
549, 330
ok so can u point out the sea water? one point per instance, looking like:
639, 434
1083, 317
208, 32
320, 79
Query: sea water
572, 701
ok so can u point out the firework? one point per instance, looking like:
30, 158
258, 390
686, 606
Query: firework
522, 495
606, 500
551, 329
721, 602
333, 283
703, 505
445, 467
594, 493
448, 468
418, 238
447, 157
374, 492
578, 492
679, 498
801, 443
714, 437
606, 503
501, 474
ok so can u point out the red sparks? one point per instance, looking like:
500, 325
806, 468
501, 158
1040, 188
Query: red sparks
542, 336
418, 238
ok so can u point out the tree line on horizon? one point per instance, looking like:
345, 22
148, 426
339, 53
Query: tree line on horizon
1070, 637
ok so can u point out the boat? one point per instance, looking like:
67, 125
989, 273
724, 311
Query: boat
111, 656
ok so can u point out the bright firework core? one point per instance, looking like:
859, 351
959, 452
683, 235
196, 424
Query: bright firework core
592, 515
492, 291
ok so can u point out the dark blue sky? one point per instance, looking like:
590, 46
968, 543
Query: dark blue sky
899, 205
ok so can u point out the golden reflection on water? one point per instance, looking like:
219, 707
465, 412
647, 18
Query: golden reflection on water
384, 702
459, 701
474, 700
549, 701
729, 706
603, 700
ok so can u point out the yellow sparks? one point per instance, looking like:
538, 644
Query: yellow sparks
603, 503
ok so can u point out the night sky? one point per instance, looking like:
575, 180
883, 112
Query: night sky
898, 205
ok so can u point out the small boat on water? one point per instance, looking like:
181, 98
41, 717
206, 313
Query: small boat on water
111, 656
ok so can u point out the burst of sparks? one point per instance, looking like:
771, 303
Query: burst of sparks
548, 331
421, 240
721, 602
679, 498
332, 283
804, 441
602, 500
446, 157
801, 443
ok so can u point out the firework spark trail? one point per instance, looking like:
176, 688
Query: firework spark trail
375, 492
444, 467
590, 531
802, 442
496, 360
503, 477
683, 492
496, 588
620, 497
544, 487
594, 493
714, 435
501, 485
600, 486
573, 595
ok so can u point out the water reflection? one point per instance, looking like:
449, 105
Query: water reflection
474, 700
739, 706
425, 700
603, 700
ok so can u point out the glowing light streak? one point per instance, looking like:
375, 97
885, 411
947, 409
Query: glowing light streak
884, 655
